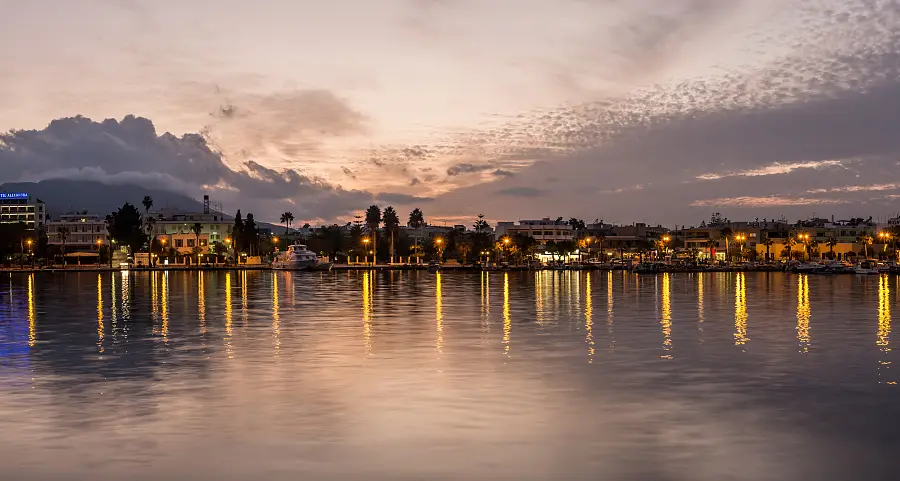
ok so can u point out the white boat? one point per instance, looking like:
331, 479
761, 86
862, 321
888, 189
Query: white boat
297, 257
866, 268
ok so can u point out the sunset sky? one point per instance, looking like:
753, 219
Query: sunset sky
622, 110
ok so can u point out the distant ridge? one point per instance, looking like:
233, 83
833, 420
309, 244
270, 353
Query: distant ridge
62, 196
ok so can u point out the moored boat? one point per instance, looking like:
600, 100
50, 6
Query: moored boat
296, 258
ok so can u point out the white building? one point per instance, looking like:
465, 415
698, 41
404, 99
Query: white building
79, 231
543, 230
18, 207
215, 226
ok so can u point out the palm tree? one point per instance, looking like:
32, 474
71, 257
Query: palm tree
811, 243
373, 219
725, 234
391, 225
286, 219
416, 219
600, 238
197, 228
464, 248
831, 242
789, 244
866, 240
768, 243
710, 245
150, 222
148, 203
416, 222
63, 233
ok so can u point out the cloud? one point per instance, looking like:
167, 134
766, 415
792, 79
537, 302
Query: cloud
502, 173
749, 201
467, 168
130, 151
773, 169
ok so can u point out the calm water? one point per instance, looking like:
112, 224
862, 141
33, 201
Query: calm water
468, 376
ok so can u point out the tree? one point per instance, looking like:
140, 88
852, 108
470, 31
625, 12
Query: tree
724, 234
464, 248
866, 240
150, 222
600, 238
711, 245
831, 242
768, 243
391, 226
237, 233
578, 226
250, 234
416, 219
789, 244
197, 229
148, 203
286, 219
373, 220
63, 233
126, 227
481, 225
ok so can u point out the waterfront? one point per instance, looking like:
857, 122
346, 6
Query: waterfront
411, 375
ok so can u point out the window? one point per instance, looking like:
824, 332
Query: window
190, 242
203, 243
179, 242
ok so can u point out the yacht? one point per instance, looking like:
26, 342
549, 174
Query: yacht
866, 267
296, 257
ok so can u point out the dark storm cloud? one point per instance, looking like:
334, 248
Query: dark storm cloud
467, 168
130, 151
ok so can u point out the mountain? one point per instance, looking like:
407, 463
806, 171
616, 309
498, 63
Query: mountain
62, 196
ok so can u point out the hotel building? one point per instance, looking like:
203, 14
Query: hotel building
18, 207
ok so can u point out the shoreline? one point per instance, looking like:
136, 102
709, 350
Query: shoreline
385, 267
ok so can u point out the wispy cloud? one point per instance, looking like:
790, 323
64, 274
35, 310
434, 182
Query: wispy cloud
773, 201
774, 169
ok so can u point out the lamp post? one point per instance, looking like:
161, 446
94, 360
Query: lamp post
666, 240
439, 243
366, 249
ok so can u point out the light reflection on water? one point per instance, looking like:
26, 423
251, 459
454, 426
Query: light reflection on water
148, 376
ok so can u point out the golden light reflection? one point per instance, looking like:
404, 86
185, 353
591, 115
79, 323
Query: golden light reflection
201, 302
164, 305
539, 286
507, 320
228, 317
100, 327
666, 317
367, 312
485, 301
883, 336
438, 314
126, 297
276, 318
609, 310
803, 313
245, 314
154, 300
589, 317
113, 310
740, 310
32, 328
700, 313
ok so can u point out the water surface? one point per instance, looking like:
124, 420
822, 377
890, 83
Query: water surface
477, 376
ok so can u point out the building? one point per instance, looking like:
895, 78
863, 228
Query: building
77, 231
184, 243
216, 226
18, 207
542, 230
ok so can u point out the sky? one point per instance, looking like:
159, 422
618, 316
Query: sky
659, 111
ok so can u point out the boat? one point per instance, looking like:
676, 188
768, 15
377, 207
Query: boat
296, 258
323, 263
866, 268
809, 268
434, 267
